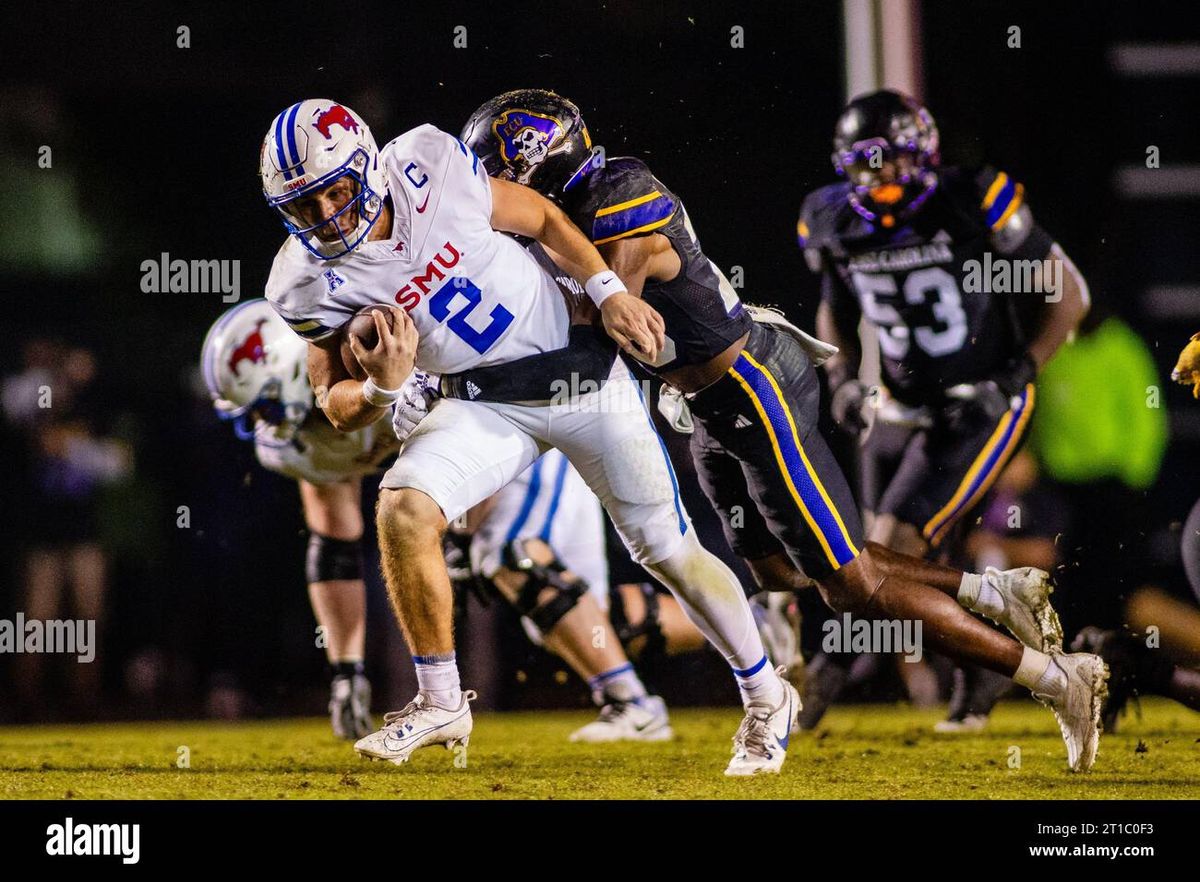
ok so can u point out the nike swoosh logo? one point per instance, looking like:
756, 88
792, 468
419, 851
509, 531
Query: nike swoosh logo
412, 736
605, 282
421, 207
787, 722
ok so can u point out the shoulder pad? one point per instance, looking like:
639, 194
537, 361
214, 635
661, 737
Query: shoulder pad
426, 142
295, 288
620, 199
998, 197
824, 215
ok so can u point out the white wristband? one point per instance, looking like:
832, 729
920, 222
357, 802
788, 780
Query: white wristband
379, 397
602, 286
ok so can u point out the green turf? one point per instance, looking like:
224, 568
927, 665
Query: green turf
858, 752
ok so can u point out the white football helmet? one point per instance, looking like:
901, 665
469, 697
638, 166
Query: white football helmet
309, 146
256, 371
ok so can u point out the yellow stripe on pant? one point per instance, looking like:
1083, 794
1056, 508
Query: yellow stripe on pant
985, 468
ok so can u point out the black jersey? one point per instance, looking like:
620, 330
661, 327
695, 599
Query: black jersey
701, 311
947, 291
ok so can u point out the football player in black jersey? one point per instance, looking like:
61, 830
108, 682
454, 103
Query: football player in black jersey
969, 297
750, 383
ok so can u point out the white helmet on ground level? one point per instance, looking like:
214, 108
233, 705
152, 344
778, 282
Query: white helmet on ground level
256, 371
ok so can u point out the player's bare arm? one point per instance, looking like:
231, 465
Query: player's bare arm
1064, 314
520, 210
838, 324
638, 258
388, 364
840, 327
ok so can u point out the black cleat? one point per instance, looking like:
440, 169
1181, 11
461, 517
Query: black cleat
823, 682
975, 693
350, 707
1134, 668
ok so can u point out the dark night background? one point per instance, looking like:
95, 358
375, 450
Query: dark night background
155, 150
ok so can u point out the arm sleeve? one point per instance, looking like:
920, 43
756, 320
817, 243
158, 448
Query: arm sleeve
1014, 232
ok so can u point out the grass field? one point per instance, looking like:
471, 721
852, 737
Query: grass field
858, 752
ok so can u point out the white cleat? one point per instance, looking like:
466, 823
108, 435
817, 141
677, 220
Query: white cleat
968, 724
1079, 706
420, 724
1027, 610
643, 720
760, 744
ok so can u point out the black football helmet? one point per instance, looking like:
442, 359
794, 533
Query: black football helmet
886, 145
533, 137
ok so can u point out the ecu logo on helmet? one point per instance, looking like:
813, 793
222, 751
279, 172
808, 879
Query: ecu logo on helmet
526, 140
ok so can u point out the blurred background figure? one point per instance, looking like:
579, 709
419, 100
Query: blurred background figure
53, 406
1100, 435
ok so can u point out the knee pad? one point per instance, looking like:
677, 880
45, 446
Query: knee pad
331, 560
538, 577
650, 627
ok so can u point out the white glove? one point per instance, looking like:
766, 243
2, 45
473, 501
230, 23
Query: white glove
818, 351
673, 406
416, 397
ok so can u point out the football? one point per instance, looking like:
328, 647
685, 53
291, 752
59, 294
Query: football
363, 327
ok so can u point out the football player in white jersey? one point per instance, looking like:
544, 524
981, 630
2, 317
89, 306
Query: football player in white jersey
418, 225
253, 366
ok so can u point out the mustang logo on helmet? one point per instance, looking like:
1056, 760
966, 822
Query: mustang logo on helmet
335, 116
250, 349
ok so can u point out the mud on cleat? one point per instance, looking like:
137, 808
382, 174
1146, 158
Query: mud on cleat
760, 743
419, 724
1027, 611
1079, 706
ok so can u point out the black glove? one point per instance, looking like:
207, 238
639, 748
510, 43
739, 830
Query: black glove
989, 399
848, 404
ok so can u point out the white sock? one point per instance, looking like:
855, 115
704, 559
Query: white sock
759, 684
1038, 673
618, 684
713, 600
978, 593
437, 677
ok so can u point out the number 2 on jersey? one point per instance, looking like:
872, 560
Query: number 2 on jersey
479, 340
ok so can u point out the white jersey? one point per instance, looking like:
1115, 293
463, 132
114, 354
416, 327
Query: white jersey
476, 296
320, 454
